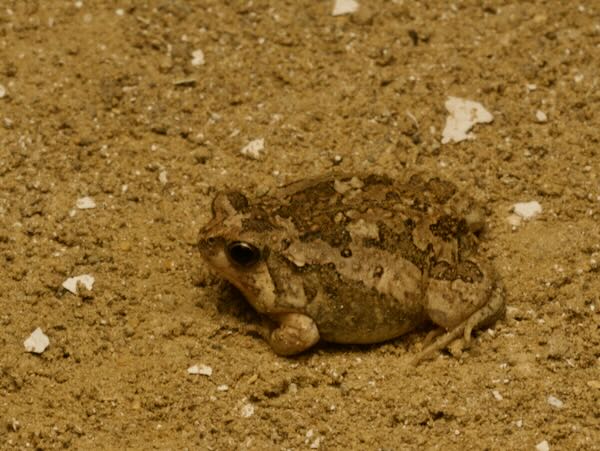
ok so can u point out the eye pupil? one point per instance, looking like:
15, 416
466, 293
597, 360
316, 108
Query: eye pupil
243, 254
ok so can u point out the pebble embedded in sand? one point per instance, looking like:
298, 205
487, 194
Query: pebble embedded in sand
542, 446
163, 177
197, 57
527, 210
541, 117
37, 342
85, 279
85, 203
254, 149
341, 7
464, 114
555, 402
247, 410
203, 370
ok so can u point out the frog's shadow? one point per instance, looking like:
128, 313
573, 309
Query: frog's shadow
400, 346
232, 304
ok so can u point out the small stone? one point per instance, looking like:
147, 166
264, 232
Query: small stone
254, 149
203, 370
247, 410
541, 117
85, 203
223, 387
72, 282
2, 91
341, 7
555, 402
162, 177
527, 210
197, 57
497, 395
37, 342
542, 446
463, 115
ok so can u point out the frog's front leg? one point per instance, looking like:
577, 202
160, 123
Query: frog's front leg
293, 334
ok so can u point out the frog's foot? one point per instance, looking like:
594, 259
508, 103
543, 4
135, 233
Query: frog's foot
439, 344
432, 335
295, 333
488, 314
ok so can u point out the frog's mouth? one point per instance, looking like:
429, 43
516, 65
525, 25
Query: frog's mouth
248, 281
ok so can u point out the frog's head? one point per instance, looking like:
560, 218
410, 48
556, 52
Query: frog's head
236, 244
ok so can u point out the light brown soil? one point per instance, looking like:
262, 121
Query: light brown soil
93, 107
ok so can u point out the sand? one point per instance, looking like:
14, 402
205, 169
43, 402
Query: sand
111, 100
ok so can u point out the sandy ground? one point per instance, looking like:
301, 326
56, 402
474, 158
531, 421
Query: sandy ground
100, 98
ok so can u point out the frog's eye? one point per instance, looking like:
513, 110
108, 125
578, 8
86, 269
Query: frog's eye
243, 254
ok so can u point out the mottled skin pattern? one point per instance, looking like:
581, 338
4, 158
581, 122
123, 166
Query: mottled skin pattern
355, 259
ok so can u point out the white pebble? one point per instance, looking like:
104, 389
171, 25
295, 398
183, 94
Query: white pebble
541, 117
254, 149
463, 115
85, 279
203, 370
341, 7
2, 91
162, 177
197, 57
497, 395
542, 446
37, 342
85, 203
316, 443
247, 410
120, 12
527, 210
555, 402
223, 387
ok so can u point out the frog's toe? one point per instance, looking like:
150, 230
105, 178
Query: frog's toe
488, 314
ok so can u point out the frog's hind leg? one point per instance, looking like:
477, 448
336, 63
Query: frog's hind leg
439, 344
489, 313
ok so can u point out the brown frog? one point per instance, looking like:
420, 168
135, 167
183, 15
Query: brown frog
356, 259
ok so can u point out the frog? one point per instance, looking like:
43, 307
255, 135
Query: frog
357, 259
